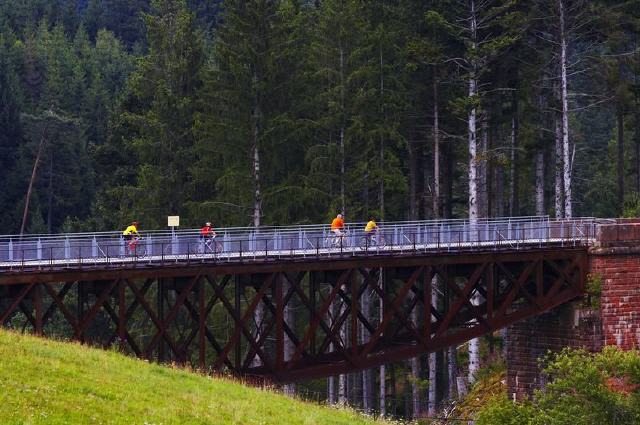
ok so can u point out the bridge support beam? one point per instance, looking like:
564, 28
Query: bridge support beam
205, 315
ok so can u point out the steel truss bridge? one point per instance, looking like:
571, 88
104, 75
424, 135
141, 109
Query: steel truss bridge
293, 303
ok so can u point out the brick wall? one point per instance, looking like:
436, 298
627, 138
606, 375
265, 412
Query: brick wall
530, 340
615, 262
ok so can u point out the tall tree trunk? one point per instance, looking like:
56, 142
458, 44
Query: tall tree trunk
257, 195
415, 374
331, 381
471, 123
367, 375
383, 371
620, 159
474, 344
289, 346
343, 395
513, 158
50, 202
32, 180
567, 165
499, 195
432, 359
436, 147
452, 371
413, 204
482, 168
343, 195
540, 182
448, 177
559, 188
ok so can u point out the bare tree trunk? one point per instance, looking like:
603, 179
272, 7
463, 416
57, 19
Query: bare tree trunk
415, 373
474, 353
483, 192
471, 121
289, 346
474, 348
383, 371
452, 371
34, 173
382, 114
559, 195
567, 165
540, 182
436, 147
513, 158
343, 395
499, 197
433, 365
621, 159
367, 375
50, 203
413, 204
331, 381
473, 165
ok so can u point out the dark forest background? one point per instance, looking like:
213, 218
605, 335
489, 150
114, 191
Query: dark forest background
280, 112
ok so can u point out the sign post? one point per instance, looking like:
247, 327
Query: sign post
173, 221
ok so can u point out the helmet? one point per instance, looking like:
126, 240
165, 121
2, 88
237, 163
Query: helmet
135, 223
339, 215
208, 223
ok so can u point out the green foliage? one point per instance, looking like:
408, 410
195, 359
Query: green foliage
583, 389
594, 290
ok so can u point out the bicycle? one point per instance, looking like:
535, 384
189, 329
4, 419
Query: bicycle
337, 241
372, 240
134, 248
211, 246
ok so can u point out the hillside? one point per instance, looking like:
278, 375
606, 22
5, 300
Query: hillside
46, 381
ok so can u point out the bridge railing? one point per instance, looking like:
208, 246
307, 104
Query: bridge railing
300, 241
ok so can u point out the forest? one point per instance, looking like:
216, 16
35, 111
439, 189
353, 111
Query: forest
272, 112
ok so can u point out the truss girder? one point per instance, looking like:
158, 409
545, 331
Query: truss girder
238, 320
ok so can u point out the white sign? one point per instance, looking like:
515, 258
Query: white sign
173, 221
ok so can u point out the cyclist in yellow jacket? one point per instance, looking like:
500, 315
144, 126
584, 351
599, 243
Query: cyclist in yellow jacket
131, 235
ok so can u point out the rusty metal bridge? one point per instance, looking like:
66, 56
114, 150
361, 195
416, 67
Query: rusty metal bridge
293, 303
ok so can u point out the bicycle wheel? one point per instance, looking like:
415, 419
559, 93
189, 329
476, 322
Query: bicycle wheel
381, 241
217, 247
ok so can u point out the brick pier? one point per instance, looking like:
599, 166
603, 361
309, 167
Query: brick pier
614, 264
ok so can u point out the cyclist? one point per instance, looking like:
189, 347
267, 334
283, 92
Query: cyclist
131, 235
207, 235
337, 226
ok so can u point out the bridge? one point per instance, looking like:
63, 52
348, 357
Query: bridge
293, 303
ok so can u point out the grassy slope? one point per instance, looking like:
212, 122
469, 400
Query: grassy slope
44, 381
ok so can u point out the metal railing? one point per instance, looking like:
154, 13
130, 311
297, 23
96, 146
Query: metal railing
278, 242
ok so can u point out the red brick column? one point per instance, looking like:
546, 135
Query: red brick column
615, 262
530, 340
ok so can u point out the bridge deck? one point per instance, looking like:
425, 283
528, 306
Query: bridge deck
100, 250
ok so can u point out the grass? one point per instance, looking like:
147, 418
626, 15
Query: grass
50, 382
